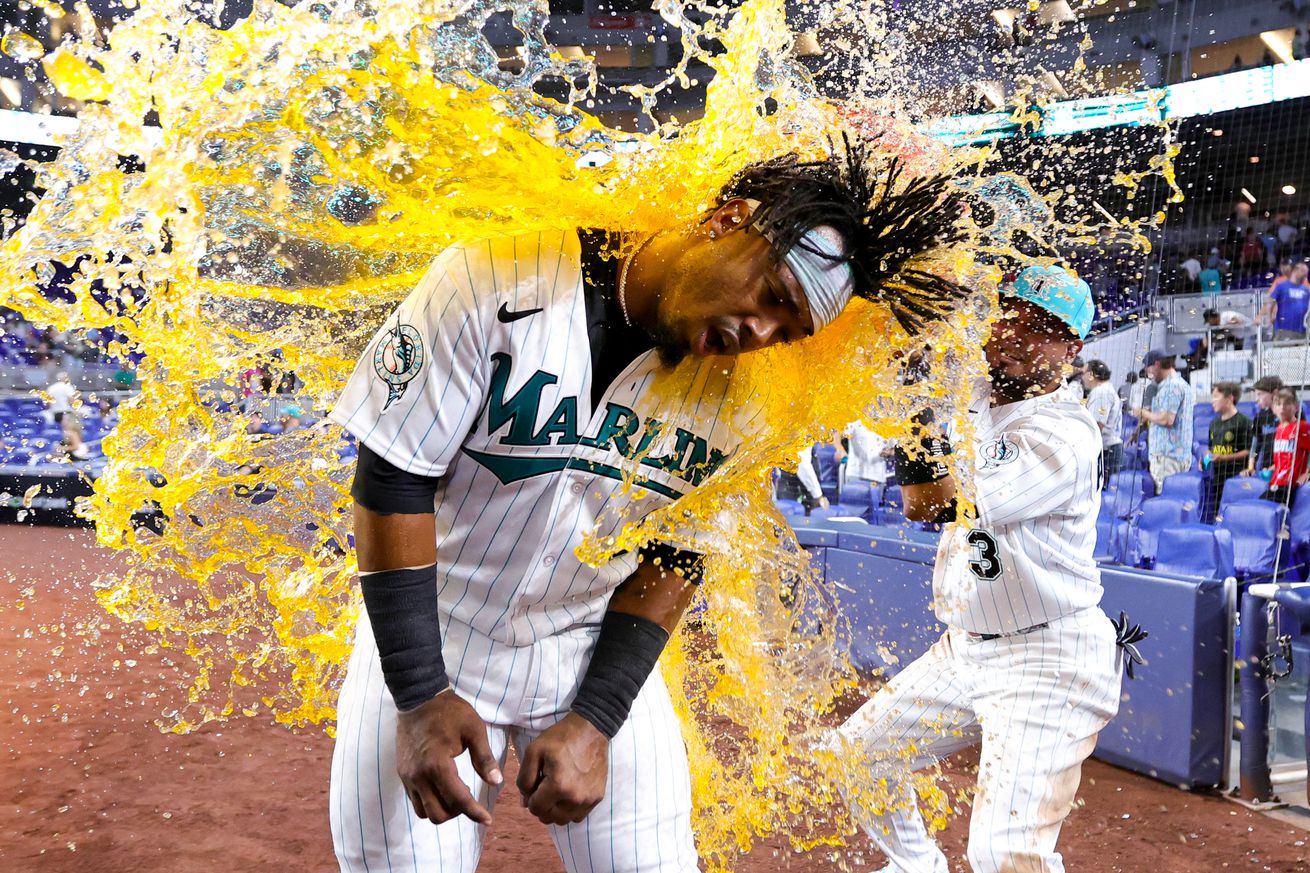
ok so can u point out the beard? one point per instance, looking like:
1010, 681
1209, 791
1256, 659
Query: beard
669, 345
1012, 387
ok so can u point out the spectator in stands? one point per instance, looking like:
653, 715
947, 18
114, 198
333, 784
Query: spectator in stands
1287, 305
1127, 389
1212, 280
255, 423
72, 445
1229, 329
61, 396
124, 377
1191, 274
1252, 256
107, 412
1230, 436
807, 471
1169, 440
1073, 383
868, 455
1105, 406
1264, 427
291, 419
1291, 448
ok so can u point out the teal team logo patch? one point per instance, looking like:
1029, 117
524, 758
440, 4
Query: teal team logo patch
998, 453
397, 360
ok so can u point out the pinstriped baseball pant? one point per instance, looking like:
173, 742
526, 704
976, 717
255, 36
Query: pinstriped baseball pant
643, 825
1035, 702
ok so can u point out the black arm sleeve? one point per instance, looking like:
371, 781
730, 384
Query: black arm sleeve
384, 488
402, 608
626, 652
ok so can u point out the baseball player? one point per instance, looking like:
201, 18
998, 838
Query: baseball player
496, 412
1028, 665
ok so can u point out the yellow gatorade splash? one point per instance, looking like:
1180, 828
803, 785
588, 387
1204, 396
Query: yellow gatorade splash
308, 163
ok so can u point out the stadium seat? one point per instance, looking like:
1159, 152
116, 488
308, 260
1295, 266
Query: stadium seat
1256, 527
1298, 534
1239, 489
1142, 537
790, 507
837, 511
1127, 490
860, 498
891, 509
1105, 540
1188, 487
1195, 550
1248, 408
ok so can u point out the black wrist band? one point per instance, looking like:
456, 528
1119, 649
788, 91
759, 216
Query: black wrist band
402, 608
625, 655
929, 466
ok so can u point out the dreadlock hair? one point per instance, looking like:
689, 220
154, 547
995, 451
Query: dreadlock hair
883, 222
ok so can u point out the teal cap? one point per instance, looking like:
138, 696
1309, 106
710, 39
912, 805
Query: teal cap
1059, 292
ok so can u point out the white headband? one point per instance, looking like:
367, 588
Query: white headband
827, 283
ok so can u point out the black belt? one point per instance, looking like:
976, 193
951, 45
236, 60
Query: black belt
1017, 633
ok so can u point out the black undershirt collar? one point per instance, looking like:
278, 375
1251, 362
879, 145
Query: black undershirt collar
614, 345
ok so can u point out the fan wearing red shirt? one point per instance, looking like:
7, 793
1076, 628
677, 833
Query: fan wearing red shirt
1291, 447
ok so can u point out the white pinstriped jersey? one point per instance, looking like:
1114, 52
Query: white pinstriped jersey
483, 377
1028, 557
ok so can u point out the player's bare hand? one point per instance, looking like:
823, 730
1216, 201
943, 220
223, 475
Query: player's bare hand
428, 740
563, 772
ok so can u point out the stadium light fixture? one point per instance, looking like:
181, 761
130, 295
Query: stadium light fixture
1279, 43
1248, 195
1289, 189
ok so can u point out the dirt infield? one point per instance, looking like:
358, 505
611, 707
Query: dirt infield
88, 784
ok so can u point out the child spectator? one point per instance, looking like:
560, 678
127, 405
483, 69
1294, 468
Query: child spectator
1291, 448
1230, 437
1264, 426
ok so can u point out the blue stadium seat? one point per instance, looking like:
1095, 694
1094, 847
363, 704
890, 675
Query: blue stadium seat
1105, 540
1190, 488
790, 507
1143, 536
1195, 550
825, 457
1239, 489
1127, 490
891, 510
1248, 408
1298, 531
1256, 527
837, 511
859, 492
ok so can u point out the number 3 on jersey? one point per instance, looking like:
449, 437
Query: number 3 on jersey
984, 562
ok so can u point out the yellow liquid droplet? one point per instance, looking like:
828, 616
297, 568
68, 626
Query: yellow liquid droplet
74, 77
21, 47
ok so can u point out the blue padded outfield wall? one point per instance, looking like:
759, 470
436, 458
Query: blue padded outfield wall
1174, 717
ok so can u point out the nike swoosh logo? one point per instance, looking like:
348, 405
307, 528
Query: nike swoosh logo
505, 316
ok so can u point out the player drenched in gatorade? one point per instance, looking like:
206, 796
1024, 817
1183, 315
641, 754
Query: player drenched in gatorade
1028, 665
496, 411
